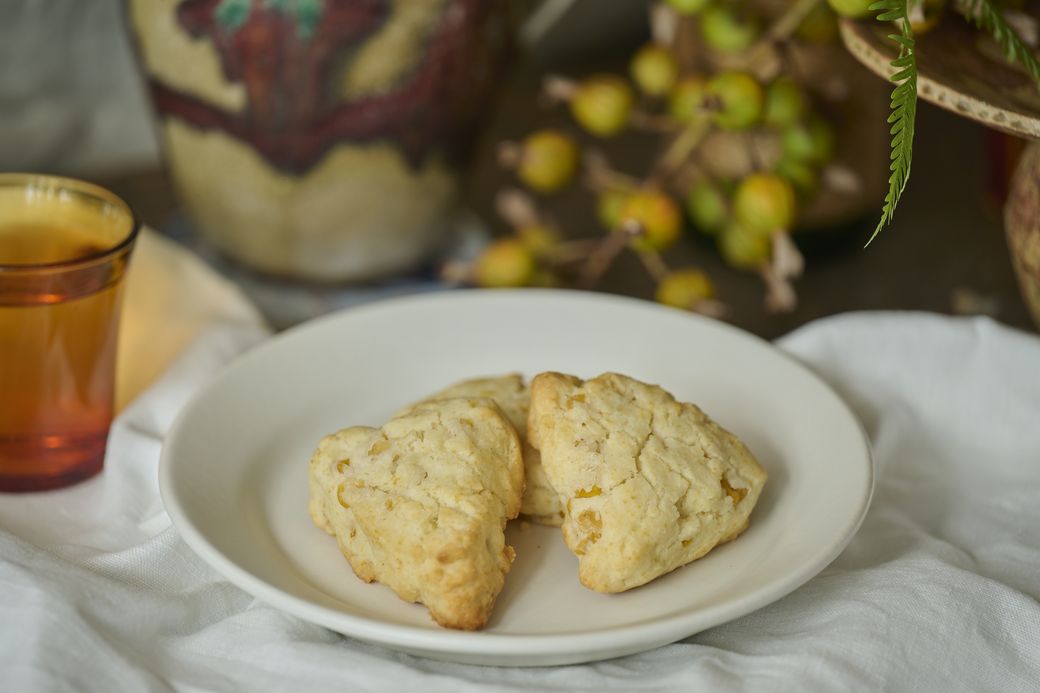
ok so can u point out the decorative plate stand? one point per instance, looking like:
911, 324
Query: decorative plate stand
969, 77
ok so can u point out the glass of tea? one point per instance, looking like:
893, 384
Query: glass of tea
64, 248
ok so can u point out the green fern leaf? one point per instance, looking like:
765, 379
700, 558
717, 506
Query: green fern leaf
989, 19
903, 104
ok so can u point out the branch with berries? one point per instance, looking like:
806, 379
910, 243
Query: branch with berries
716, 71
672, 94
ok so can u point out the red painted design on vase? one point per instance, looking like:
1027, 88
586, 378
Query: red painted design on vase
294, 116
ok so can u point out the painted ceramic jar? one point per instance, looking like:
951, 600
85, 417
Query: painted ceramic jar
320, 139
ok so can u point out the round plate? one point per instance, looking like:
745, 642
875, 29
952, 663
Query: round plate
234, 468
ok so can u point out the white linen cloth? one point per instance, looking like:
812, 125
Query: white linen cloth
937, 592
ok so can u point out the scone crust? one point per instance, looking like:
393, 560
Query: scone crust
541, 503
420, 504
647, 483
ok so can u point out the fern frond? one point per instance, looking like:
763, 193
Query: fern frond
988, 18
903, 105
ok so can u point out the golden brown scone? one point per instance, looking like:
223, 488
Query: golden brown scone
648, 483
541, 503
421, 504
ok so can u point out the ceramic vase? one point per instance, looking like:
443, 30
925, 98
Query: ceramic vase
320, 139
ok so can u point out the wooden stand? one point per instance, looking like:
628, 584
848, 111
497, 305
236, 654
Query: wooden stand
959, 71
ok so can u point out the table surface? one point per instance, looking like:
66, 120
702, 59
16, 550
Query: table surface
947, 237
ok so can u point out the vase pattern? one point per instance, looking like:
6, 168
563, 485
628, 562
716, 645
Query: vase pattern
320, 139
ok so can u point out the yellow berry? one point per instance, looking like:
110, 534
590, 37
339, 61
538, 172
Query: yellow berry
602, 104
744, 249
764, 203
654, 69
548, 160
657, 215
506, 262
684, 289
687, 99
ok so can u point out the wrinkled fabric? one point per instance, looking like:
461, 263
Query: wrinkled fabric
937, 592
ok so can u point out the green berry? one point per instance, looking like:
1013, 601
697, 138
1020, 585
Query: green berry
548, 160
658, 216
708, 207
764, 203
800, 174
813, 142
654, 70
744, 249
688, 7
823, 140
785, 103
856, 9
684, 289
796, 143
726, 30
505, 263
687, 99
609, 207
740, 99
602, 105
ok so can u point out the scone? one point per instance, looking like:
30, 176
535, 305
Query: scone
510, 392
421, 504
648, 483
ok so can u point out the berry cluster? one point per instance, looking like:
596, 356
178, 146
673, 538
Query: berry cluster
753, 100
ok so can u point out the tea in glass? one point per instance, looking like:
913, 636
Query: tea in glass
64, 248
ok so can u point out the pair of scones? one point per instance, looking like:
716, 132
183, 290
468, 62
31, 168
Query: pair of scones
640, 483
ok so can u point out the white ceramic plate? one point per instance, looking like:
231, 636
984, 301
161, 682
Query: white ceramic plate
233, 470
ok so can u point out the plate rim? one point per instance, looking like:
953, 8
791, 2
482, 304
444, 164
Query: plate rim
445, 642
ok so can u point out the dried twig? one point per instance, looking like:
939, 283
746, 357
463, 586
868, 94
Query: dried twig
456, 272
557, 88
664, 22
608, 249
780, 293
517, 208
654, 264
787, 263
652, 122
681, 148
570, 252
780, 30
842, 179
711, 307
599, 175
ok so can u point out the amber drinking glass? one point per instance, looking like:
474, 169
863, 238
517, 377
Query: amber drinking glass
64, 248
